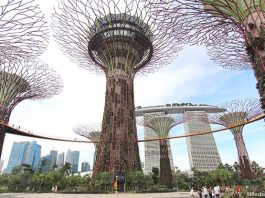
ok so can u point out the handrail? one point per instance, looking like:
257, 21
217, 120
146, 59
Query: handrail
30, 134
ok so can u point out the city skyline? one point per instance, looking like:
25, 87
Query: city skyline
192, 77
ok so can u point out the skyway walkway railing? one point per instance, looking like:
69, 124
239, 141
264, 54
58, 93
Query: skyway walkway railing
17, 130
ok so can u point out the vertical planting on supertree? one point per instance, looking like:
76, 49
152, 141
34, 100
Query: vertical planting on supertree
238, 112
23, 29
119, 38
232, 30
22, 79
91, 132
162, 123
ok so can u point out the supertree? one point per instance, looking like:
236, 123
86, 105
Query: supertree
238, 112
232, 30
22, 79
119, 38
161, 123
23, 29
91, 132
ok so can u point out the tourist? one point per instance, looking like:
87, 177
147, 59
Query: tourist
200, 192
205, 192
238, 190
192, 194
216, 191
210, 192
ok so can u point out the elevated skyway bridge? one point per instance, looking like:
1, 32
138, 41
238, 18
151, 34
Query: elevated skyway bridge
17, 130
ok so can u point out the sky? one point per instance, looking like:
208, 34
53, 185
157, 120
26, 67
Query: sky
191, 77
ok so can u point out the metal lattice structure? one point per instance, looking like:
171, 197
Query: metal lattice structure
23, 29
238, 112
162, 123
91, 132
119, 38
232, 30
22, 79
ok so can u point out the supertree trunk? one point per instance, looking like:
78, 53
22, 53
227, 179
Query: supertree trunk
95, 154
4, 117
118, 148
244, 162
166, 177
2, 138
256, 52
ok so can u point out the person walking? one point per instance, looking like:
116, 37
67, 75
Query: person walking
216, 191
192, 194
200, 192
238, 190
210, 192
205, 192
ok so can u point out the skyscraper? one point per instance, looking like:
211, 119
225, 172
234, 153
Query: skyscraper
45, 163
85, 167
32, 155
24, 153
1, 166
202, 150
60, 160
152, 151
53, 156
73, 158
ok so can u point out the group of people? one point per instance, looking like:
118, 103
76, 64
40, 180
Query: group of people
215, 192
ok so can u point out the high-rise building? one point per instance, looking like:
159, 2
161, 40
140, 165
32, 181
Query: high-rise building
32, 155
85, 167
202, 150
72, 157
45, 163
60, 160
24, 153
152, 152
1, 166
53, 156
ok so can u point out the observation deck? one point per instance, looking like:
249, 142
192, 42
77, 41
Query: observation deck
177, 108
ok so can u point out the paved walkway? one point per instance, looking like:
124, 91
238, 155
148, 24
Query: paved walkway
118, 195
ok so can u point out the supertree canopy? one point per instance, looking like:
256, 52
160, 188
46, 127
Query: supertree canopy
238, 112
233, 31
118, 38
91, 132
23, 29
24, 79
162, 123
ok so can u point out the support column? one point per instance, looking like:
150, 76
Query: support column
118, 149
244, 162
165, 175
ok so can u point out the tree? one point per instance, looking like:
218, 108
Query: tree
155, 173
238, 112
161, 124
135, 178
103, 179
67, 169
120, 39
221, 176
257, 170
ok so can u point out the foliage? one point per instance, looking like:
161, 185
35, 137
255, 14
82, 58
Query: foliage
103, 180
22, 179
134, 179
155, 173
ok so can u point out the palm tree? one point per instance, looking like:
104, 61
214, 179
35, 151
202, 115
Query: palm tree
67, 168
54, 167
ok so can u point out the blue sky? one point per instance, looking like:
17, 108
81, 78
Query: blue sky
192, 77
